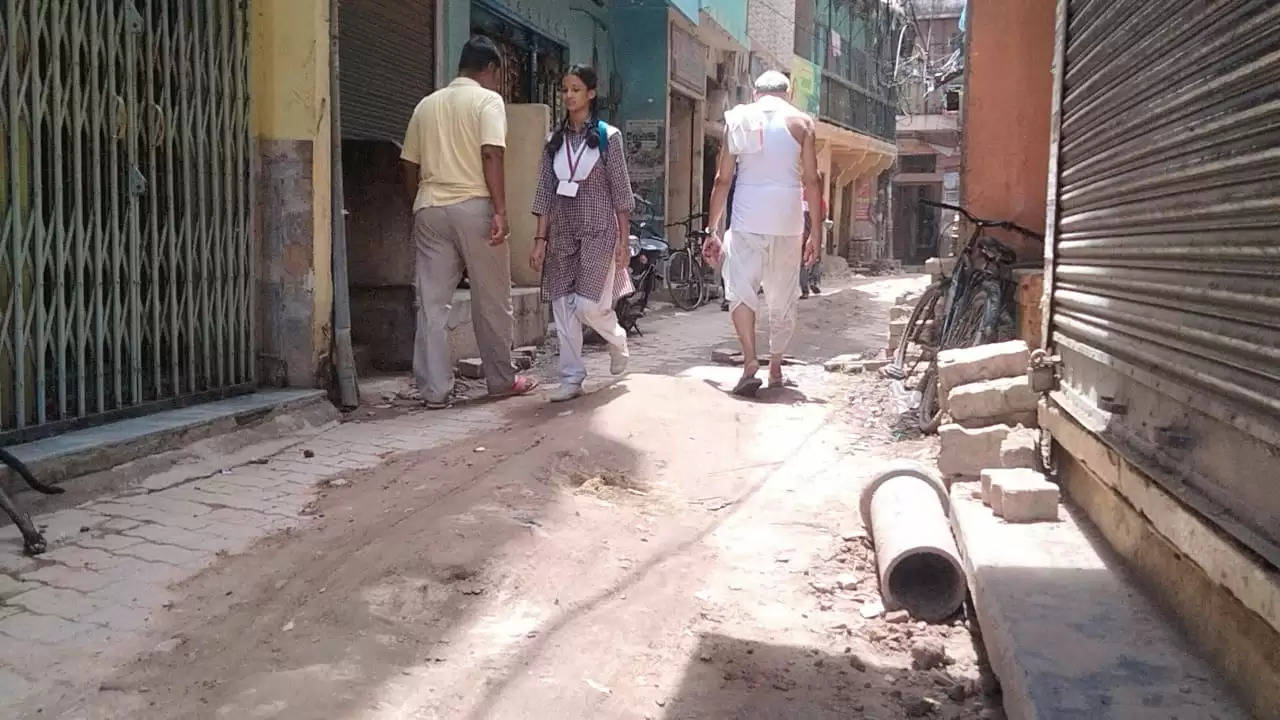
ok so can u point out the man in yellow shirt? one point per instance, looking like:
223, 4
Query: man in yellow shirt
453, 171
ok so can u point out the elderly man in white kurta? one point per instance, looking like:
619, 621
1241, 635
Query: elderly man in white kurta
770, 159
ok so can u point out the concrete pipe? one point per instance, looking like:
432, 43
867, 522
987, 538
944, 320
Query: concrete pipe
904, 509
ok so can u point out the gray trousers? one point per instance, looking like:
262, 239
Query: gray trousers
445, 239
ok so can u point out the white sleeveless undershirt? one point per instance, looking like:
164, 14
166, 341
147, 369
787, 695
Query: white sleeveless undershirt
768, 191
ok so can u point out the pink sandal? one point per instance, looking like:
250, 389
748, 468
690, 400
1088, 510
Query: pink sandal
522, 386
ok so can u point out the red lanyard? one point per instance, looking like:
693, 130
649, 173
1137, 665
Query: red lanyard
574, 164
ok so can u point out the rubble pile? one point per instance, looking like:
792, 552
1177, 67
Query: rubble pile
993, 436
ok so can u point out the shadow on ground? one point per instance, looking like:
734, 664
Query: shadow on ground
730, 677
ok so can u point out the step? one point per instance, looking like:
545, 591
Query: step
1067, 632
103, 446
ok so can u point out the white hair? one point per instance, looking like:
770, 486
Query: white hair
772, 81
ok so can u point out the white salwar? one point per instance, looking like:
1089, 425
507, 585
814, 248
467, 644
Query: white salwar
752, 262
571, 313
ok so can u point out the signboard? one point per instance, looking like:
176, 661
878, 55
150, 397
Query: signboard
805, 89
688, 61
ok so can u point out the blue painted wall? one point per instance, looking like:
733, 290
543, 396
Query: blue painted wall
642, 60
690, 7
731, 15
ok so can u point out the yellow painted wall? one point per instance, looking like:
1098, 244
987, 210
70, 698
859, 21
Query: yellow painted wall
291, 102
527, 129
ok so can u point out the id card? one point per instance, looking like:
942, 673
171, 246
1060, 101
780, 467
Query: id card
567, 188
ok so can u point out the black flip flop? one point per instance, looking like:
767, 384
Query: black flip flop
747, 387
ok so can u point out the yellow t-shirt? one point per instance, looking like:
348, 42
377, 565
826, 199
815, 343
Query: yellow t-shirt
444, 138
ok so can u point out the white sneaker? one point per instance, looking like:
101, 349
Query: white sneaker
565, 393
618, 358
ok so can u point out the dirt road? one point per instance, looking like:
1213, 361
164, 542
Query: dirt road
658, 549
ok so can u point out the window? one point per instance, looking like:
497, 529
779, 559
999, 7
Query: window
918, 164
952, 103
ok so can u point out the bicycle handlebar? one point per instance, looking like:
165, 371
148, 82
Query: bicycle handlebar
1004, 224
687, 221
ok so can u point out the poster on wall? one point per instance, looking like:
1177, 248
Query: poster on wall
804, 85
646, 159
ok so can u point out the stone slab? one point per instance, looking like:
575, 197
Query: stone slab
1068, 633
966, 452
982, 362
1002, 397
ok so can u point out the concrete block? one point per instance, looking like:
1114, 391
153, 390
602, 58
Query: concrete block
1020, 449
995, 482
940, 266
529, 315
1001, 397
966, 452
983, 362
1028, 497
900, 312
995, 498
471, 368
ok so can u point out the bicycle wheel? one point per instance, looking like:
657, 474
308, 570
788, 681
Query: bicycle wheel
929, 413
917, 333
684, 281
976, 322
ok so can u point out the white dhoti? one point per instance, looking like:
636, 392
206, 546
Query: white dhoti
752, 262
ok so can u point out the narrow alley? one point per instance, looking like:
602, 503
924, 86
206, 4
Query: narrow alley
639, 359
657, 549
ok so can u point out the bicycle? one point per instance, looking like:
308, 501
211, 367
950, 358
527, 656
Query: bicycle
686, 273
977, 298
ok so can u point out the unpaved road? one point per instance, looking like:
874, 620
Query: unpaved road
659, 549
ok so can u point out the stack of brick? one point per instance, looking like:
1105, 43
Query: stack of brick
992, 436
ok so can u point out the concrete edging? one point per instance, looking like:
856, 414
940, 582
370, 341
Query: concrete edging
81, 452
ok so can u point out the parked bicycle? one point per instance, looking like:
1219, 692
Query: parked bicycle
686, 271
966, 308
649, 257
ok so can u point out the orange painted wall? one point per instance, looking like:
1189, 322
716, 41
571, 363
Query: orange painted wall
1008, 101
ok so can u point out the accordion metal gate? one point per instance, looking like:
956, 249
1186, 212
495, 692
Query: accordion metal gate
1164, 280
126, 269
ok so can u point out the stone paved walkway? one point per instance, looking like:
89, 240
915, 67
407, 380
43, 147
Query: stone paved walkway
112, 560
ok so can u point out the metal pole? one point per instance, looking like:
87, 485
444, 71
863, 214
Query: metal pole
343, 352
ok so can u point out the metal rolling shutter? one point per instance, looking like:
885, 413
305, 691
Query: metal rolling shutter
1165, 265
387, 65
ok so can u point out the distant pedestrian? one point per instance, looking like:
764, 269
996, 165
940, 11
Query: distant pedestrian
583, 203
453, 170
772, 146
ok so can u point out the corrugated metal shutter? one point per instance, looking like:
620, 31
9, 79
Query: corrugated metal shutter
387, 65
1165, 284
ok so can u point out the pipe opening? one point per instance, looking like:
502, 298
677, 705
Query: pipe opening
927, 584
